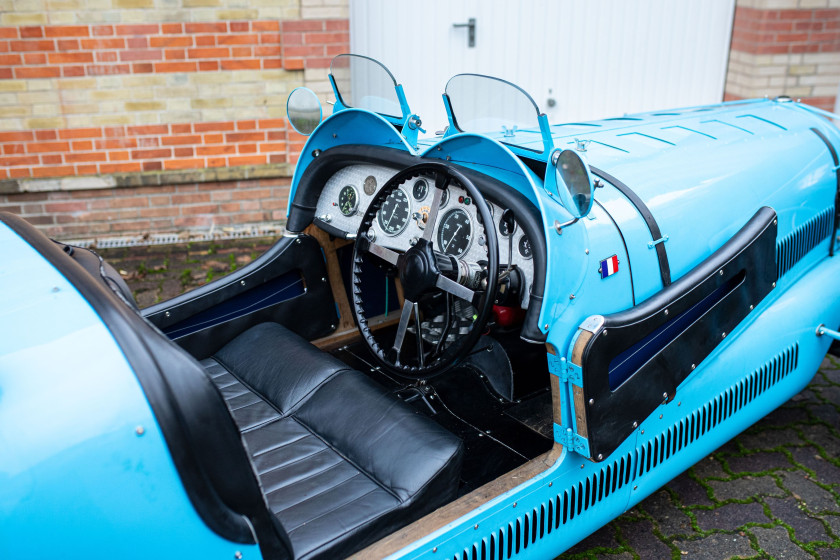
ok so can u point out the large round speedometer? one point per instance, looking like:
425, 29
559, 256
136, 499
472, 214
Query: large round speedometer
455, 232
394, 214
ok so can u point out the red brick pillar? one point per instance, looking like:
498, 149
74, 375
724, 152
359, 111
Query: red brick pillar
785, 47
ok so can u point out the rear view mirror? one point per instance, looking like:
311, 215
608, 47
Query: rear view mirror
304, 110
574, 183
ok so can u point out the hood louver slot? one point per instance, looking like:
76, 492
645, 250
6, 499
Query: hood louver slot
508, 541
800, 241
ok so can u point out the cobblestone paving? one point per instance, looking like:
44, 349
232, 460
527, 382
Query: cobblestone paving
771, 493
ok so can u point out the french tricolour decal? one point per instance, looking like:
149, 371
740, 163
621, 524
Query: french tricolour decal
609, 266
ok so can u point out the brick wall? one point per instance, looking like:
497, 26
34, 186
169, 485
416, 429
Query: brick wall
786, 47
106, 102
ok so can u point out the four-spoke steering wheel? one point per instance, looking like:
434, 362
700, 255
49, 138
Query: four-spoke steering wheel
424, 271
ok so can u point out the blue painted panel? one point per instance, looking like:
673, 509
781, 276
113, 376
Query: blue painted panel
768, 359
76, 480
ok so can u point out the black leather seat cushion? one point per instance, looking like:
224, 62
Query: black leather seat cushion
341, 462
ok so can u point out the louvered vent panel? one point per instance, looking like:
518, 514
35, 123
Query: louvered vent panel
800, 241
509, 540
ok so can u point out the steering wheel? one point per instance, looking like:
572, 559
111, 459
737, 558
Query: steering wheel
423, 272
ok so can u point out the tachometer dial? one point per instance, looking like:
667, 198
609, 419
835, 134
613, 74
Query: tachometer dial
455, 232
394, 214
420, 190
525, 247
348, 200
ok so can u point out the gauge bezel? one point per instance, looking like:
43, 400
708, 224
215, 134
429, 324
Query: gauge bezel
414, 186
355, 206
519, 247
513, 231
370, 179
407, 220
443, 219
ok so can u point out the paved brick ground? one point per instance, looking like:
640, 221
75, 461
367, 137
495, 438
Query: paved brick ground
772, 493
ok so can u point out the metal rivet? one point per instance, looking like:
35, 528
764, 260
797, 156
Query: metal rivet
475, 526
586, 251
546, 326
723, 335
721, 272
139, 430
448, 158
434, 549
237, 555
679, 403
55, 289
550, 484
693, 366
335, 135
316, 153
660, 417
635, 424
635, 488
774, 284
774, 222
666, 312
664, 395
297, 241
591, 401
643, 431
751, 307
514, 504
605, 332
167, 313
581, 466
571, 296
600, 456
332, 327
242, 282
323, 278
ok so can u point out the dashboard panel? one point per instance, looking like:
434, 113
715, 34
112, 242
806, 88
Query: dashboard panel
400, 222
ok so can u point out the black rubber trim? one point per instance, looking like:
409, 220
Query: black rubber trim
203, 441
626, 252
302, 212
836, 192
644, 211
659, 350
331, 229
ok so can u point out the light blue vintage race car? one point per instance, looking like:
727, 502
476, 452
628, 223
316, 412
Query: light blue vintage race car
481, 346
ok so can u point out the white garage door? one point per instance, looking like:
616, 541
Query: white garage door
579, 59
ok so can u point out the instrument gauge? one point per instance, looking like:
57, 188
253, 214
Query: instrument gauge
505, 230
348, 200
394, 214
370, 185
444, 199
525, 247
455, 232
420, 190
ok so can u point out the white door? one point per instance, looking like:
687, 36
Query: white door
579, 59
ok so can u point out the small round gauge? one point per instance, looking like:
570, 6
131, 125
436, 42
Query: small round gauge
444, 199
525, 247
455, 232
370, 185
348, 200
395, 213
505, 230
420, 190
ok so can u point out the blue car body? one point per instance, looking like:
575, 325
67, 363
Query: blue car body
682, 308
